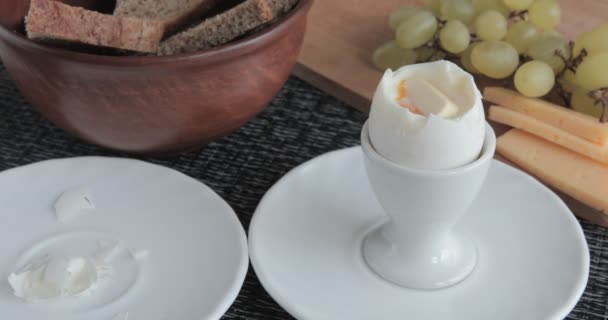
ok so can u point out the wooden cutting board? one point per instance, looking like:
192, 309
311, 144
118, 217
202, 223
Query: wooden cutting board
342, 34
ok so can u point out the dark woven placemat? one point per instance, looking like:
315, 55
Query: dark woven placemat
300, 123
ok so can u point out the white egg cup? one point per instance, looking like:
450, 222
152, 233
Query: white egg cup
418, 247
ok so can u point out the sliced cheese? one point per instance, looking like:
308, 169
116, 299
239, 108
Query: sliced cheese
582, 125
565, 139
584, 179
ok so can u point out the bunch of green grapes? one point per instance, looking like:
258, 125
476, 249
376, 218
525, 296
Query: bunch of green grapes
502, 39
588, 82
496, 38
487, 36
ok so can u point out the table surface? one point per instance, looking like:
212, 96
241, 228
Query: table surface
299, 124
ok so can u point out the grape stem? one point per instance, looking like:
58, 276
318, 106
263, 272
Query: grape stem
474, 37
566, 95
601, 100
440, 23
518, 15
600, 96
571, 63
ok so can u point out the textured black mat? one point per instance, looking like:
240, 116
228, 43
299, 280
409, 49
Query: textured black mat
300, 123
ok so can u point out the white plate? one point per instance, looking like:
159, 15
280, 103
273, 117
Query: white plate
305, 246
198, 249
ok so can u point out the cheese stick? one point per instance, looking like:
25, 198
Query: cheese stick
538, 128
582, 125
580, 177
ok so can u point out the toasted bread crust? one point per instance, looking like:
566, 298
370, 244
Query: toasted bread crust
172, 13
220, 29
51, 20
280, 7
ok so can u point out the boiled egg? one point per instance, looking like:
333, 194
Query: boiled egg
428, 116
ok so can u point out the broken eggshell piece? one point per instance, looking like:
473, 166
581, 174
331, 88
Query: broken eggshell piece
107, 250
445, 130
54, 277
72, 203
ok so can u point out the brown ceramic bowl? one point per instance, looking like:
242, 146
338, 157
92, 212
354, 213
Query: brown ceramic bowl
152, 104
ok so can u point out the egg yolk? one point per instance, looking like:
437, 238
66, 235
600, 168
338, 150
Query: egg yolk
404, 101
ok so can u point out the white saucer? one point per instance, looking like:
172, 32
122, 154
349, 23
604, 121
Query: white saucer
305, 246
197, 247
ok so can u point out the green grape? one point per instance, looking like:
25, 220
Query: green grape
417, 30
582, 102
518, 4
545, 14
429, 54
534, 79
491, 25
495, 59
401, 14
458, 10
551, 33
485, 5
454, 37
568, 80
592, 73
434, 5
521, 35
391, 56
465, 59
582, 41
545, 49
595, 41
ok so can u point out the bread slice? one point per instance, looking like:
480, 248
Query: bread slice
51, 20
172, 13
280, 7
220, 29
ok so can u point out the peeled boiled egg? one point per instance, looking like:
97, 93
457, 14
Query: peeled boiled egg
428, 116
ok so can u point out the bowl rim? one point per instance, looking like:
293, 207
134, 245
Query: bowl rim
229, 50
